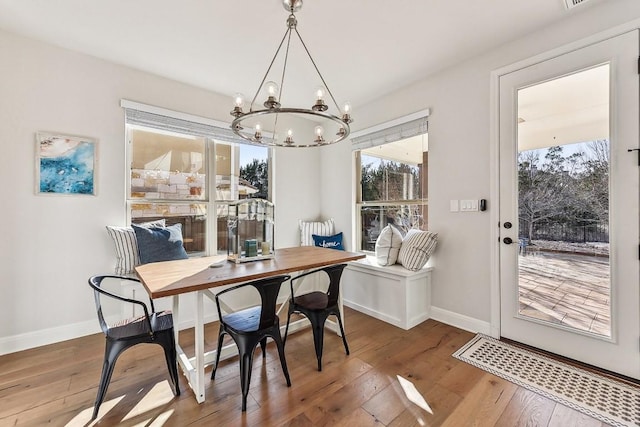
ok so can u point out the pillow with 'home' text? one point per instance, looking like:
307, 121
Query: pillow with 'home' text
331, 242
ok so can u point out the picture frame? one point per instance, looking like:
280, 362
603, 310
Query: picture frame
66, 164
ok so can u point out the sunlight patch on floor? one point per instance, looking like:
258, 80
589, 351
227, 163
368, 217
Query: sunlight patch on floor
148, 411
159, 395
412, 393
83, 418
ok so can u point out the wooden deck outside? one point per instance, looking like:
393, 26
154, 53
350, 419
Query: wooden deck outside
567, 289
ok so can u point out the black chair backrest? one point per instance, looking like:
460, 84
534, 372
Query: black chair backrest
96, 284
335, 273
268, 289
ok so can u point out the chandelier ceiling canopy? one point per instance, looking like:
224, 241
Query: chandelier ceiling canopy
332, 126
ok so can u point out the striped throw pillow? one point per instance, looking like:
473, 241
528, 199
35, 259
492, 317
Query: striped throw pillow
126, 245
417, 247
319, 228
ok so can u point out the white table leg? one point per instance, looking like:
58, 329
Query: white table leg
175, 311
199, 347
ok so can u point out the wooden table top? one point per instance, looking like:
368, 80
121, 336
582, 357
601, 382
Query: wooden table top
162, 279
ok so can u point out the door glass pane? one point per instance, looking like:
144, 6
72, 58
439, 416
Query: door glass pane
563, 201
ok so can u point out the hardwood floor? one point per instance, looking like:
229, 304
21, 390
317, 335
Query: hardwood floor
57, 384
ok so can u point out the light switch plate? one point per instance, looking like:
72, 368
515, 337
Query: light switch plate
468, 205
454, 205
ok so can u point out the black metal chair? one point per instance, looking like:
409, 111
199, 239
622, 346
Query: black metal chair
152, 328
318, 306
250, 326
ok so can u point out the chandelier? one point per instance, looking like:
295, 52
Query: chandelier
331, 127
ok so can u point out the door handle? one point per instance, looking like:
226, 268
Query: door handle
507, 240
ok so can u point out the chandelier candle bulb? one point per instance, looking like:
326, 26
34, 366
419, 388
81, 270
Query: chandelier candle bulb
346, 115
239, 99
289, 139
272, 88
239, 102
319, 131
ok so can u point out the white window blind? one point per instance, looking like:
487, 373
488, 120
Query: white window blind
174, 121
409, 126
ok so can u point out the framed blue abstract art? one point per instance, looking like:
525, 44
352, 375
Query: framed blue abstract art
65, 164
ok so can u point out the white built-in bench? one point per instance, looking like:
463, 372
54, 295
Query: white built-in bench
392, 293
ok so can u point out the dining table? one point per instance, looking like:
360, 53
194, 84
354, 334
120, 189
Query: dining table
201, 275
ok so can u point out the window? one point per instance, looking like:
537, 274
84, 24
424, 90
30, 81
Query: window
172, 161
242, 172
391, 180
168, 181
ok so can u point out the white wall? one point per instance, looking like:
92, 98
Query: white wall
296, 191
335, 193
52, 244
459, 155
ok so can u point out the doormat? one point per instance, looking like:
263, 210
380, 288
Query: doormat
607, 400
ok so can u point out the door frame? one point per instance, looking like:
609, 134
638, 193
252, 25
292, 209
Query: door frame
494, 154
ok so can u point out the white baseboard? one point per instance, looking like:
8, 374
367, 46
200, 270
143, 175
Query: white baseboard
441, 315
460, 321
29, 340
34, 339
48, 336
373, 313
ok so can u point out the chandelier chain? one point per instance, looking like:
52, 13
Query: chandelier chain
317, 70
284, 70
268, 69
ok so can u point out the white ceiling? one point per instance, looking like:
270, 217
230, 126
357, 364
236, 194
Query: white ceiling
566, 110
363, 48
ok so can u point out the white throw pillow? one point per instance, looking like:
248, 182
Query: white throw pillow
388, 245
126, 245
319, 228
417, 247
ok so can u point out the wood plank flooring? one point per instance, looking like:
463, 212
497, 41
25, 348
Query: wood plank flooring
57, 384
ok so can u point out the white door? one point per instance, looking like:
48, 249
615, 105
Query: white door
569, 205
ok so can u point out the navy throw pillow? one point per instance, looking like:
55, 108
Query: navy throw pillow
160, 243
332, 242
